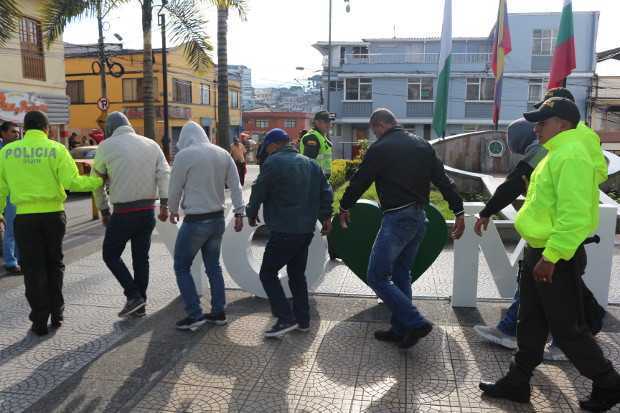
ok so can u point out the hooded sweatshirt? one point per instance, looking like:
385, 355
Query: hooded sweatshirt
135, 166
199, 175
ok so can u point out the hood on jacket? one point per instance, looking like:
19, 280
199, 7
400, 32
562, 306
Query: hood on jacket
191, 134
593, 145
114, 121
521, 136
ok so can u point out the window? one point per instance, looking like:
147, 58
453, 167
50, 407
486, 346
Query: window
480, 88
536, 90
358, 89
75, 91
133, 90
234, 99
544, 42
290, 123
262, 123
182, 91
420, 89
205, 94
31, 43
360, 52
336, 85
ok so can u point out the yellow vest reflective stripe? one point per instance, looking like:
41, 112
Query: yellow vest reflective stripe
324, 158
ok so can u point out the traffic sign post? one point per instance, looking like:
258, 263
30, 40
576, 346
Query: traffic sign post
103, 104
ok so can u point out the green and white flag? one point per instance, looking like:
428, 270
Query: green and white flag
440, 114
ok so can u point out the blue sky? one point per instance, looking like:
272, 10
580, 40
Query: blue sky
278, 34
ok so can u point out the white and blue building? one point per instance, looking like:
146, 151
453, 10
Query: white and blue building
401, 74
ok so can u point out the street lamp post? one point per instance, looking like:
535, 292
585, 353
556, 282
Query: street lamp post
329, 51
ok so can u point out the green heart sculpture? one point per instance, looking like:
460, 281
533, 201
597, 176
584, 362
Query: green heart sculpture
354, 244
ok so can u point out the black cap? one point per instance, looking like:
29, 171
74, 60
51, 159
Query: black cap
322, 115
556, 92
561, 107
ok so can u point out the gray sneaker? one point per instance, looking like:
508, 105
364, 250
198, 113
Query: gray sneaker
132, 306
493, 335
553, 353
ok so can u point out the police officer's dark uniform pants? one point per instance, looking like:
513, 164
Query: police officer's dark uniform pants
39, 238
557, 307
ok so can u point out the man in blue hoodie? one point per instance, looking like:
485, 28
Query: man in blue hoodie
295, 194
9, 132
199, 174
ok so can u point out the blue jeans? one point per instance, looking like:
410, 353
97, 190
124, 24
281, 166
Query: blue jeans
508, 324
391, 259
136, 227
10, 251
204, 236
290, 250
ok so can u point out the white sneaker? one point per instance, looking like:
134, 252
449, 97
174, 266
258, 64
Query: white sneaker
493, 335
553, 353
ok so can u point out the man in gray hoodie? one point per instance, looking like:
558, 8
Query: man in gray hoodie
199, 175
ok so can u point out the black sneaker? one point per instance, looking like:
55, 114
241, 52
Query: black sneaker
192, 324
388, 335
503, 389
280, 329
219, 319
139, 313
414, 335
600, 400
132, 306
303, 327
40, 329
58, 318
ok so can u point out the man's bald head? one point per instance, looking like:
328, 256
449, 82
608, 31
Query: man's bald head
381, 121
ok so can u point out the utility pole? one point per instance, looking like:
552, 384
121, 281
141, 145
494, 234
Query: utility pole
104, 88
329, 57
164, 62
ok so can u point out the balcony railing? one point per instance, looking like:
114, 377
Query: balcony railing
408, 58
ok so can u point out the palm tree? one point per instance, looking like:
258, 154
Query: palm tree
187, 27
223, 124
9, 18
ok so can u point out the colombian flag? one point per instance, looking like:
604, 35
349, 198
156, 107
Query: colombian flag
501, 47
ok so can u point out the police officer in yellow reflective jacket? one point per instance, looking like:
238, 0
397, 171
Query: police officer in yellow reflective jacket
36, 171
560, 211
316, 145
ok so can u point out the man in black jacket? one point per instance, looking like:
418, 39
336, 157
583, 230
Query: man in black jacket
403, 167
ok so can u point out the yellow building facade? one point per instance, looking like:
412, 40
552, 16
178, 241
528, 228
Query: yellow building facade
191, 95
32, 76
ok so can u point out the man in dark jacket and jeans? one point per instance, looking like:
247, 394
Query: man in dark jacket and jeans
295, 194
403, 167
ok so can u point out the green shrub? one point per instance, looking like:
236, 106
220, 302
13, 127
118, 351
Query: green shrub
338, 176
342, 171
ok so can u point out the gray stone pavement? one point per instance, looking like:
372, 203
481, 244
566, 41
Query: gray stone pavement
97, 362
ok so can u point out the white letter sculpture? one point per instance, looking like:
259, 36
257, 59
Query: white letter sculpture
243, 267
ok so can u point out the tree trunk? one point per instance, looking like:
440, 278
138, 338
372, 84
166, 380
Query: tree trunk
147, 82
223, 124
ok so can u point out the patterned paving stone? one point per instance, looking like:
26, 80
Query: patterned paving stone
169, 397
220, 376
468, 370
15, 402
378, 406
322, 405
320, 384
270, 402
385, 381
26, 381
211, 399
277, 379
